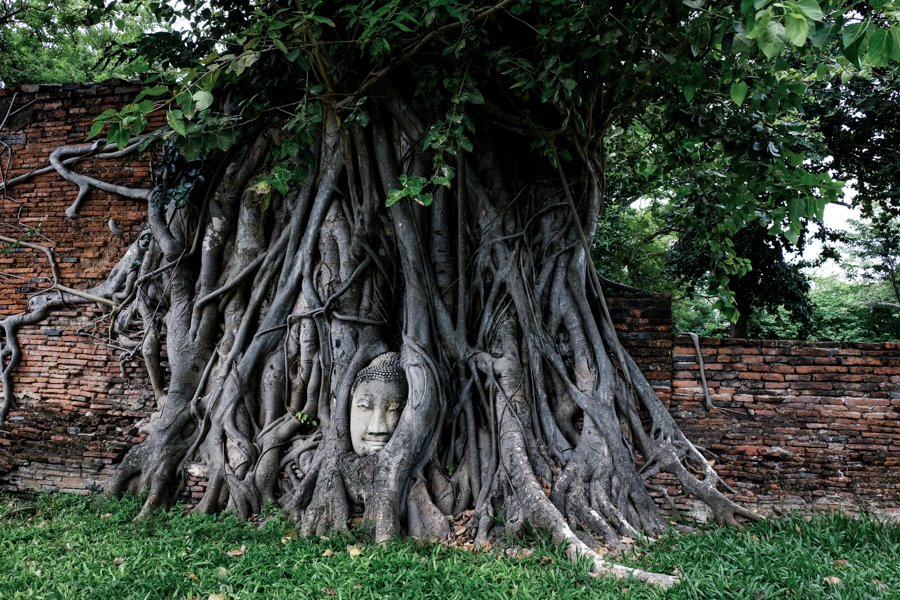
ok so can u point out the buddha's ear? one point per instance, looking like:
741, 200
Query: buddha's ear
418, 384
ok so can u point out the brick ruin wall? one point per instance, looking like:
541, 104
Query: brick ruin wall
78, 406
805, 425
796, 425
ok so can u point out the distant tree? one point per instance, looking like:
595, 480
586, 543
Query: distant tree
846, 124
11, 10
854, 311
634, 244
771, 281
55, 41
874, 253
738, 181
859, 119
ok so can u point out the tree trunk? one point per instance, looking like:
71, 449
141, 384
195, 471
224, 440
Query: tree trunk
256, 313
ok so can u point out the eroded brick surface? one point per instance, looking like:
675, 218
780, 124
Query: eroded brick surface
797, 424
78, 406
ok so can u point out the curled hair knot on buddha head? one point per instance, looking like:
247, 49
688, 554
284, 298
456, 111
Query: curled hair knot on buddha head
384, 367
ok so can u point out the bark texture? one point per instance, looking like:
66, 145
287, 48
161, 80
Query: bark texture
254, 313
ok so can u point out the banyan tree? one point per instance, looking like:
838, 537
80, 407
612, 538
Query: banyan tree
365, 284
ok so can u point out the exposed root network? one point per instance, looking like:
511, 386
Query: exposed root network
253, 314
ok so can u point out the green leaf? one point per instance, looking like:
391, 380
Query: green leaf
760, 22
700, 37
894, 44
795, 211
152, 92
810, 9
424, 199
209, 58
175, 118
96, 128
121, 138
822, 34
203, 100
186, 104
394, 196
146, 143
877, 54
280, 179
853, 32
792, 235
280, 45
738, 92
851, 53
106, 114
688, 91
771, 41
820, 205
797, 28
320, 19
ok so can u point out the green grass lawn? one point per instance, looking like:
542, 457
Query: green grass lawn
64, 546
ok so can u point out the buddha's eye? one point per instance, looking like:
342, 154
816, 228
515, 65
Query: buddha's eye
364, 403
393, 406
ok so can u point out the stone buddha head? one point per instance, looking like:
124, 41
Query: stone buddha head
376, 401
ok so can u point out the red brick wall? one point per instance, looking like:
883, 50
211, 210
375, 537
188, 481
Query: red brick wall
78, 409
805, 425
644, 325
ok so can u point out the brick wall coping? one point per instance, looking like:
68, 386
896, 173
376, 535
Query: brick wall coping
749, 342
119, 86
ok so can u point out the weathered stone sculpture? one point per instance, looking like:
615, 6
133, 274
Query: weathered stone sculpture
377, 399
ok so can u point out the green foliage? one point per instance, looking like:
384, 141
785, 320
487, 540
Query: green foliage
550, 54
708, 114
771, 281
306, 420
67, 546
695, 313
631, 246
874, 253
855, 311
728, 169
859, 120
413, 187
727, 163
779, 324
51, 41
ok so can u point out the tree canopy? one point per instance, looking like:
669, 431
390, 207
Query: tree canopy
57, 41
722, 112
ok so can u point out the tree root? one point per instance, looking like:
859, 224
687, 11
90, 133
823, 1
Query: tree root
253, 316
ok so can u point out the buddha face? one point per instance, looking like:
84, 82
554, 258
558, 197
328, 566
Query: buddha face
375, 409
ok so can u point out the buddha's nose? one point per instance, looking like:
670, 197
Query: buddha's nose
378, 425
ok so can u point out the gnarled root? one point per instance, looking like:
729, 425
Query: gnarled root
255, 314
